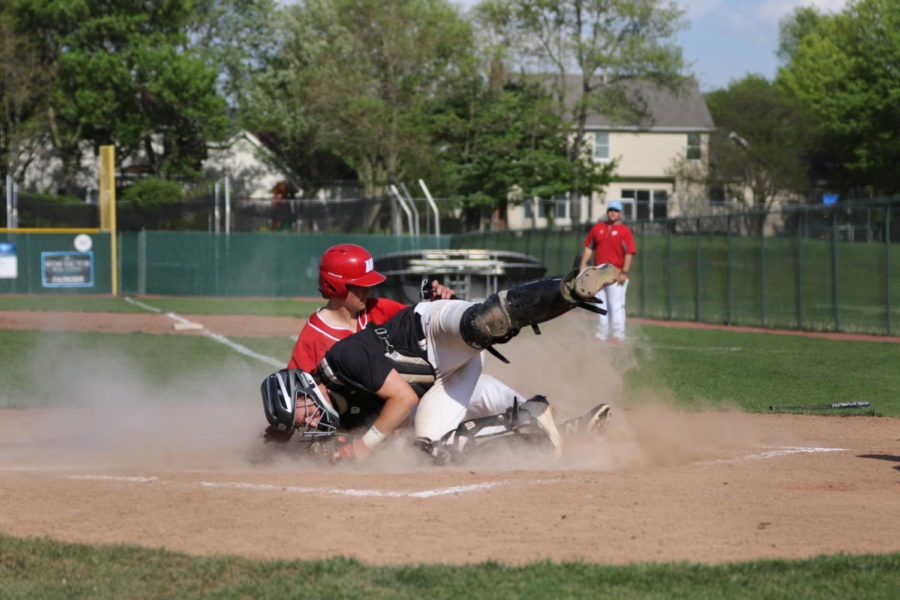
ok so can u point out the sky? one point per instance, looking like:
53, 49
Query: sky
728, 39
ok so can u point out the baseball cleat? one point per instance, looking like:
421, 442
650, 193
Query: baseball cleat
592, 422
542, 416
593, 279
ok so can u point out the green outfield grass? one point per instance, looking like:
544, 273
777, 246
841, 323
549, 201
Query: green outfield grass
712, 368
267, 307
42, 569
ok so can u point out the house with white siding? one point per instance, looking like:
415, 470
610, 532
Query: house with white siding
676, 129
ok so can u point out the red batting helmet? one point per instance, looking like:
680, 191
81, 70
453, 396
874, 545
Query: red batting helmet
346, 264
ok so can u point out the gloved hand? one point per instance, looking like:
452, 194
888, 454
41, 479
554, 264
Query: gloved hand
349, 449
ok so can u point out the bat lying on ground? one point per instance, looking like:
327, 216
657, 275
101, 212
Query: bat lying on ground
822, 406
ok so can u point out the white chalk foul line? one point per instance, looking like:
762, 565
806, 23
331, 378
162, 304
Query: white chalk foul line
113, 478
269, 487
142, 305
458, 489
214, 336
777, 452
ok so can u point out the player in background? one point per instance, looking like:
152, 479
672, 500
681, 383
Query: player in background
611, 242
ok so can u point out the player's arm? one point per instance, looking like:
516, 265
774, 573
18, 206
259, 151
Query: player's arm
626, 268
585, 258
400, 400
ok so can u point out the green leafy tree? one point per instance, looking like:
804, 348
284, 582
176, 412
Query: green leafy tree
354, 78
504, 143
603, 42
125, 75
843, 68
24, 93
235, 38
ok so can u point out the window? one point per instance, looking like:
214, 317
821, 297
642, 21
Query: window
601, 145
558, 207
645, 205
694, 147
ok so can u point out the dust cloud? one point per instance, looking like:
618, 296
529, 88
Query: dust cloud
104, 413
101, 410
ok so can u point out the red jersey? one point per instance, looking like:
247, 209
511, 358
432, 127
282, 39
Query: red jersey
610, 243
317, 336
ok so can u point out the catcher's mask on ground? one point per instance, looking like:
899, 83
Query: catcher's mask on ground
292, 399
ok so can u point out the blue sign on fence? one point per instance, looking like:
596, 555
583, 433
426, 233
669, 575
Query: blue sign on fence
67, 269
829, 199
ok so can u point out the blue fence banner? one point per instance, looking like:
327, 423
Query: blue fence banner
67, 269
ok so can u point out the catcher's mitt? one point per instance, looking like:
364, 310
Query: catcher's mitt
334, 449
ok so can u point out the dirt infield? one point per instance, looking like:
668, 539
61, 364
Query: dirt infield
661, 485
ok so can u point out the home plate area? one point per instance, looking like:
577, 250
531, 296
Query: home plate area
659, 486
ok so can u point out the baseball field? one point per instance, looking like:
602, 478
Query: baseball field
131, 465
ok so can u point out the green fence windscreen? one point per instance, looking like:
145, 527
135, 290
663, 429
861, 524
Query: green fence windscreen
239, 264
32, 263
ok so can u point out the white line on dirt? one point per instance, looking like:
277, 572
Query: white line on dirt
113, 478
213, 336
773, 454
268, 487
458, 489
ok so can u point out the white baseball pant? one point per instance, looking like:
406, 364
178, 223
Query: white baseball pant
613, 298
460, 391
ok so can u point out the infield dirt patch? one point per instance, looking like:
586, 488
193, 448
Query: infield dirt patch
191, 474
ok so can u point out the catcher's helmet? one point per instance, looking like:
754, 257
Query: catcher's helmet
292, 399
346, 264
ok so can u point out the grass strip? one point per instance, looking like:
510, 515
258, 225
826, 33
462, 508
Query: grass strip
713, 368
267, 307
39, 568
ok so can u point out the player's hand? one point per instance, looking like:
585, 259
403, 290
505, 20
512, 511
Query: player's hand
347, 449
441, 292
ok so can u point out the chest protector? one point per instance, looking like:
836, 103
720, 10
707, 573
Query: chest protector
353, 399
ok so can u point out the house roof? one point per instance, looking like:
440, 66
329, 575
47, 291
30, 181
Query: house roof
684, 110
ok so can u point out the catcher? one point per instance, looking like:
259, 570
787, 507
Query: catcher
426, 361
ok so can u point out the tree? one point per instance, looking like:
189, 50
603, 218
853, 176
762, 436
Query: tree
761, 143
235, 38
24, 92
125, 75
843, 68
354, 77
604, 42
504, 143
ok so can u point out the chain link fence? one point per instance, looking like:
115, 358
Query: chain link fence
816, 268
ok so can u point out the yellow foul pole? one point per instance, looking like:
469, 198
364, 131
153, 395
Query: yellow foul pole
108, 208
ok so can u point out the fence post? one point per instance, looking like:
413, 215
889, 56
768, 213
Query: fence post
697, 282
762, 269
669, 226
729, 293
834, 271
800, 236
887, 263
642, 277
